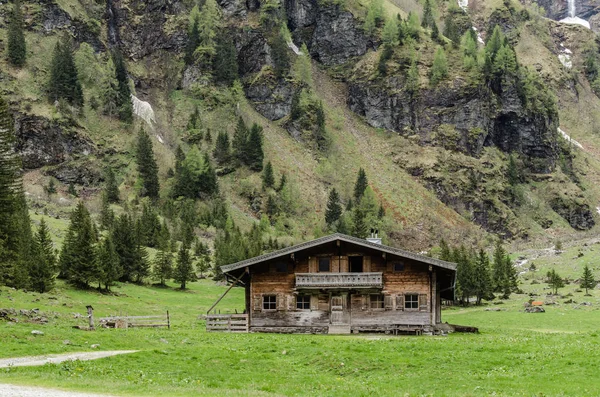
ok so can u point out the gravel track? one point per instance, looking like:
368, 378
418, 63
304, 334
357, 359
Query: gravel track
30, 361
30, 391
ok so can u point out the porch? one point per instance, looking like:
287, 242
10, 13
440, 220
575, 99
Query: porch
339, 280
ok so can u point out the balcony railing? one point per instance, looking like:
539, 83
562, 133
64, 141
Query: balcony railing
339, 280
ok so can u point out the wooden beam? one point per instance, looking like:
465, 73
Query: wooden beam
225, 293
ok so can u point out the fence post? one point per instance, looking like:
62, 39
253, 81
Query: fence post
90, 311
168, 321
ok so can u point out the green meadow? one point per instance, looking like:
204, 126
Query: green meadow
515, 354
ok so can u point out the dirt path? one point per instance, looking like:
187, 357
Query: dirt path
30, 391
57, 358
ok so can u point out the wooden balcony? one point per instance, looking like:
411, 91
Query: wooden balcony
339, 280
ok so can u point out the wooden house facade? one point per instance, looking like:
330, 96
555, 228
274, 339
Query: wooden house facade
343, 284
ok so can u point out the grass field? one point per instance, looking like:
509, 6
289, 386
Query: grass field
515, 354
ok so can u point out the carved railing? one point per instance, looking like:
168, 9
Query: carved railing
340, 280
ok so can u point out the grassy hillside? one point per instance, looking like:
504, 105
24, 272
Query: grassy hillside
555, 349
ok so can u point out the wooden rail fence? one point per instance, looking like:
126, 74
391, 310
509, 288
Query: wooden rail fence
136, 321
227, 322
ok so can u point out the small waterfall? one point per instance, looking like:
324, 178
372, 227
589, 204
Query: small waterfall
572, 8
112, 25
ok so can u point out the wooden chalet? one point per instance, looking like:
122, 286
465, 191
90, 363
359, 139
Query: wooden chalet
339, 284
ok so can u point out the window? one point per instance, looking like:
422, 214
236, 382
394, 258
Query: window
356, 264
324, 265
376, 302
398, 266
269, 302
281, 267
303, 302
411, 301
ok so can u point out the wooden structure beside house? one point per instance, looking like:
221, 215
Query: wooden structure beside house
343, 284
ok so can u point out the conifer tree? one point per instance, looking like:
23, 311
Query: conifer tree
375, 16
17, 51
282, 183
42, 270
271, 208
141, 264
111, 188
107, 215
555, 281
163, 262
334, 208
451, 30
360, 185
184, 269
78, 262
108, 263
390, 33
267, 177
240, 141
482, 286
226, 65
413, 26
464, 274
123, 98
439, 69
64, 81
445, 252
124, 240
587, 280
208, 23
381, 212
280, 56
254, 149
193, 40
147, 168
499, 274
360, 227
194, 122
413, 79
427, 21
196, 177
222, 152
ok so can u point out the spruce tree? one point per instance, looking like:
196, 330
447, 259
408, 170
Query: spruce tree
413, 79
334, 208
163, 262
267, 177
78, 255
451, 30
587, 280
17, 50
240, 141
445, 252
360, 185
111, 188
193, 41
222, 152
439, 69
465, 274
427, 20
124, 104
107, 215
64, 81
359, 218
282, 183
499, 274
271, 208
254, 151
280, 56
147, 168
124, 240
42, 270
109, 269
555, 280
184, 269
482, 285
226, 65
141, 264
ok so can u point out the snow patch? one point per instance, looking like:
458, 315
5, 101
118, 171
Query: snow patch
569, 139
143, 110
598, 210
160, 139
565, 59
576, 21
294, 48
464, 4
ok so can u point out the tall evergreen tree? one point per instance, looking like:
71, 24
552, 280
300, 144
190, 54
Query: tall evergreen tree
427, 21
555, 280
109, 267
124, 240
359, 217
482, 285
111, 188
226, 65
193, 41
196, 177
334, 208
163, 262
439, 69
445, 252
240, 141
124, 104
254, 150
184, 269
64, 81
499, 274
107, 215
17, 51
464, 274
267, 177
222, 152
451, 29
78, 262
147, 167
280, 55
43, 268
141, 264
360, 185
587, 279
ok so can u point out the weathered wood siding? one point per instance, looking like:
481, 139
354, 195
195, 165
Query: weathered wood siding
415, 279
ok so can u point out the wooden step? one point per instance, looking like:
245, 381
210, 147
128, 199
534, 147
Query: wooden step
341, 329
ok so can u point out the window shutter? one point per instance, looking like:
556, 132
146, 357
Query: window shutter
388, 302
400, 302
291, 301
314, 302
312, 264
257, 299
365, 302
423, 302
280, 302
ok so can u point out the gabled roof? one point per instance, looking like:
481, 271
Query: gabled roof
340, 237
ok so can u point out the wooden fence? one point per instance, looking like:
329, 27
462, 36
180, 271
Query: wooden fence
136, 321
227, 322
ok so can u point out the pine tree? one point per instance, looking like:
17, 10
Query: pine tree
141, 264
111, 188
123, 99
108, 263
282, 183
184, 269
78, 255
72, 191
147, 168
427, 20
226, 65
499, 274
163, 266
271, 208
464, 274
413, 26
587, 280
360, 185
439, 69
194, 122
360, 228
222, 152
17, 50
240, 141
43, 268
267, 177
64, 82
107, 215
334, 208
375, 16
196, 177
254, 150
280, 56
208, 22
494, 43
482, 286
124, 240
381, 212
193, 41
451, 30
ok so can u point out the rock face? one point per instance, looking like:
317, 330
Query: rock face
44, 142
559, 9
479, 117
272, 98
233, 8
576, 212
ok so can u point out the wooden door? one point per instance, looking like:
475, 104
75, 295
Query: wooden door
337, 309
